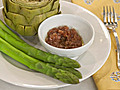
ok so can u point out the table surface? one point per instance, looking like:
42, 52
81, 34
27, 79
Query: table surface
87, 84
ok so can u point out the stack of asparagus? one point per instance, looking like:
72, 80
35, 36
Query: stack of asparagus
24, 16
61, 68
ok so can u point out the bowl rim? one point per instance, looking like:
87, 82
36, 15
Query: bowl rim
62, 49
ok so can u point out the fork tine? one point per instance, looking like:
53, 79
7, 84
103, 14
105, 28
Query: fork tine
104, 15
111, 16
114, 16
108, 16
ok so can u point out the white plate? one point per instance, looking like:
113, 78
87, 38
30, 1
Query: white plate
91, 61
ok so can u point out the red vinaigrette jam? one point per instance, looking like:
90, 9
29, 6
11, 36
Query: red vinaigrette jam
64, 37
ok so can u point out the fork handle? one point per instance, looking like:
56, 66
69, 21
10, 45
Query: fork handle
118, 47
118, 58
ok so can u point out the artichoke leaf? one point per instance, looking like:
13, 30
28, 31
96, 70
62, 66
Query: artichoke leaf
17, 18
5, 6
30, 30
20, 29
51, 13
29, 14
4, 3
48, 7
30, 4
39, 18
27, 30
55, 5
12, 7
8, 22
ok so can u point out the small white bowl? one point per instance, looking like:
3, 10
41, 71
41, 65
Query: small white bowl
83, 28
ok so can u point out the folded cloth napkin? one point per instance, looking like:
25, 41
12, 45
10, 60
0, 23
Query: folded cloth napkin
108, 77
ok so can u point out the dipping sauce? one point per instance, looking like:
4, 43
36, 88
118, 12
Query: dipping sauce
64, 37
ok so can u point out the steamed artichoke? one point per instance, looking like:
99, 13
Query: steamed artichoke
24, 16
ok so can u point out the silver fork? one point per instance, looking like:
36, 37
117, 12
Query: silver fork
110, 20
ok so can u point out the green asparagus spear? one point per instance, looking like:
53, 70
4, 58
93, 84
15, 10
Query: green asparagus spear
4, 35
37, 65
72, 70
39, 54
3, 26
